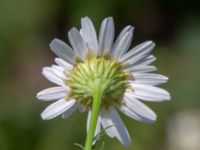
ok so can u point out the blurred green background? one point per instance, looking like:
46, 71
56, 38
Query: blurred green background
28, 26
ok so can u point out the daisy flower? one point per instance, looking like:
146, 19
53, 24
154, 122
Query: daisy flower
103, 73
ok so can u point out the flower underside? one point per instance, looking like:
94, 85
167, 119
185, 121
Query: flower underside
97, 72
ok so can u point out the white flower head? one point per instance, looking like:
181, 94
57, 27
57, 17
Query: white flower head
123, 74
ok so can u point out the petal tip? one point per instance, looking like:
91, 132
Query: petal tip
86, 18
44, 117
55, 40
38, 95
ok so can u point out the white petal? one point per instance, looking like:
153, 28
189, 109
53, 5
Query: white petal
149, 78
77, 43
58, 68
57, 108
140, 109
145, 61
118, 128
148, 60
52, 93
149, 93
88, 120
124, 31
140, 69
59, 71
68, 112
63, 63
107, 123
106, 35
51, 76
81, 32
130, 113
98, 127
137, 53
89, 34
62, 50
123, 42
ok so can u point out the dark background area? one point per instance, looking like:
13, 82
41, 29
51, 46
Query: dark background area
28, 26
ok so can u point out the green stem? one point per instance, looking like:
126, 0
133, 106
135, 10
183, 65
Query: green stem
97, 96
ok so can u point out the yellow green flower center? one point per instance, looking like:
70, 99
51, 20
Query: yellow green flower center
94, 72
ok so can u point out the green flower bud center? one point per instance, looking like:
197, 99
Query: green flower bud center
93, 73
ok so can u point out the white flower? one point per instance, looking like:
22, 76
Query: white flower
124, 73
